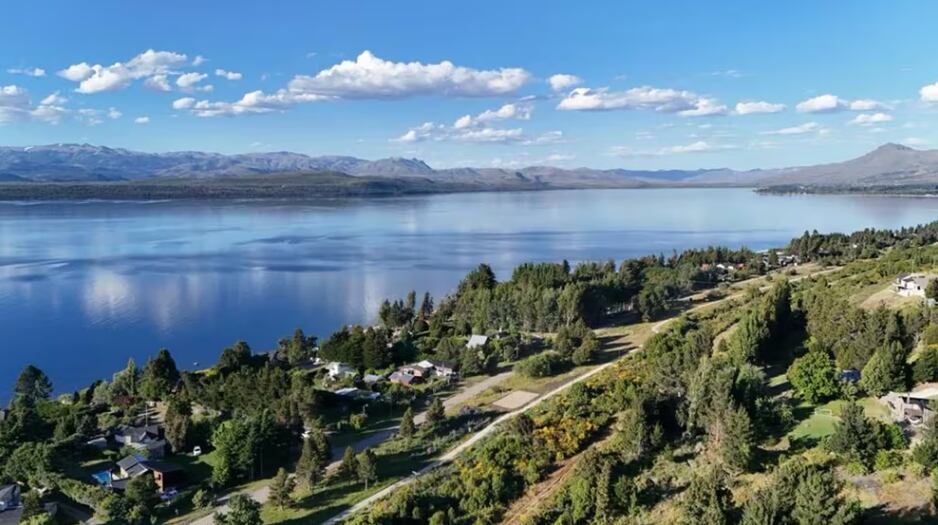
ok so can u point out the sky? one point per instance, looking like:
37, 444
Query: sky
603, 84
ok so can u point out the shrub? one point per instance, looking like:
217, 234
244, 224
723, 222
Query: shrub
542, 365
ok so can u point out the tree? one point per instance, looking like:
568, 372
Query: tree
853, 435
587, 350
925, 369
310, 465
763, 508
234, 357
348, 466
281, 489
886, 371
436, 413
159, 377
367, 467
706, 500
30, 463
407, 424
737, 441
814, 376
749, 338
818, 501
202, 499
125, 383
177, 423
242, 510
32, 384
142, 490
931, 289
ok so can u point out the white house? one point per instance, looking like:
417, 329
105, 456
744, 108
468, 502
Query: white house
912, 285
914, 406
477, 341
339, 370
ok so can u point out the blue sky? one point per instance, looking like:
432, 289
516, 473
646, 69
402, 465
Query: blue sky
599, 84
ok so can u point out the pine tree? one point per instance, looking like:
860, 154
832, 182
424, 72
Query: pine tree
436, 413
738, 442
348, 467
818, 502
853, 434
310, 465
242, 510
603, 490
886, 371
406, 430
707, 500
762, 508
281, 489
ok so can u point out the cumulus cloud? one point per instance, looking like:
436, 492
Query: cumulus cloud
822, 104
507, 111
369, 76
229, 75
114, 114
867, 104
477, 133
27, 71
758, 106
183, 103
800, 129
188, 80
142, 120
929, 93
695, 147
16, 106
97, 78
868, 119
199, 60
561, 81
681, 102
158, 83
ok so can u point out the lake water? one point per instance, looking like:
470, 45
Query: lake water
84, 286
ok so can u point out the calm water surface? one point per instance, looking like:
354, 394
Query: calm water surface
84, 286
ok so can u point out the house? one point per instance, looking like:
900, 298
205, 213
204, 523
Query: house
443, 368
357, 393
404, 378
912, 285
417, 370
166, 475
371, 379
477, 341
148, 439
337, 370
913, 407
9, 497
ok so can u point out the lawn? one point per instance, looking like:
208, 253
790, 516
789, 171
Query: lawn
823, 417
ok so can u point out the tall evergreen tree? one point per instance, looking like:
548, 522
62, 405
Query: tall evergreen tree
32, 384
407, 424
281, 489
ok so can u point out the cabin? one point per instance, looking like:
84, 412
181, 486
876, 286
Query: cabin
912, 407
148, 439
372, 379
166, 475
417, 370
443, 369
477, 341
9, 497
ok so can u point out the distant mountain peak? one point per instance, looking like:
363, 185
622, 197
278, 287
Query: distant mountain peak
892, 146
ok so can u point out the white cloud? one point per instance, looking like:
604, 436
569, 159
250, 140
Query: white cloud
682, 102
929, 93
561, 81
16, 106
550, 137
183, 103
199, 60
730, 73
489, 135
189, 80
867, 119
251, 103
230, 75
142, 120
476, 132
695, 147
800, 129
560, 157
97, 78
915, 141
866, 104
760, 106
158, 83
507, 111
114, 114
822, 104
28, 71
371, 77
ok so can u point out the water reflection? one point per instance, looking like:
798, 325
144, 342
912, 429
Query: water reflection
85, 285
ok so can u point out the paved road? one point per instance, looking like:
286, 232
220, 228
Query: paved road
376, 438
459, 449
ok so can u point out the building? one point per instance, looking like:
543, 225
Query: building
912, 407
9, 497
339, 370
417, 370
404, 378
166, 475
371, 379
442, 368
477, 341
148, 439
912, 285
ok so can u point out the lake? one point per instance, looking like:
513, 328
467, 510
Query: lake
86, 285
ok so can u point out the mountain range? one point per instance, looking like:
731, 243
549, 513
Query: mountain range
889, 165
